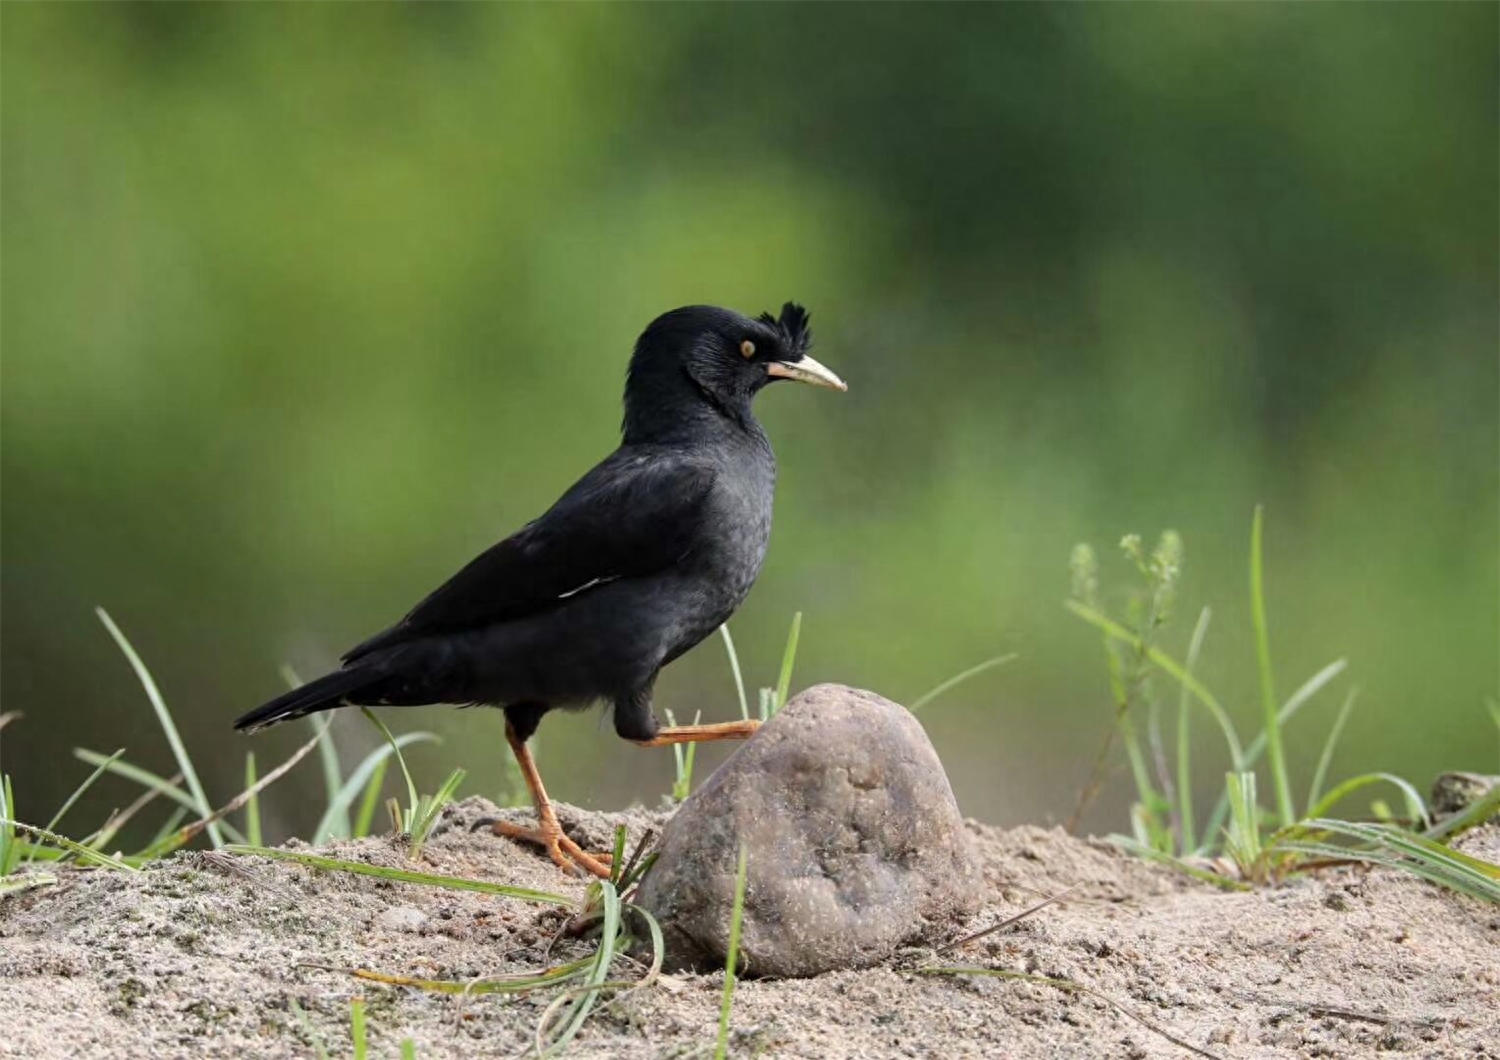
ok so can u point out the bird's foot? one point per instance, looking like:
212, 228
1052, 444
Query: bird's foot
723, 730
566, 854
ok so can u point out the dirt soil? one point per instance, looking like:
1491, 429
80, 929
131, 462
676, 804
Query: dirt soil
204, 956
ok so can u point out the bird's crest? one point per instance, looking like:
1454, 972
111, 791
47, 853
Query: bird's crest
796, 335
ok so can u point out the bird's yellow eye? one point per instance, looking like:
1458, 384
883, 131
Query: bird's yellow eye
747, 349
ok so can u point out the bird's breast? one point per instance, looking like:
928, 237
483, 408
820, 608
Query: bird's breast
732, 545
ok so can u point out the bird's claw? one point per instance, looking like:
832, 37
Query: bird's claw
566, 854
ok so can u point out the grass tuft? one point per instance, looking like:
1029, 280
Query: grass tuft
1262, 846
422, 811
365, 782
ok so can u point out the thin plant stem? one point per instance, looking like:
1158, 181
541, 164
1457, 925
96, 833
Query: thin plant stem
1285, 809
1186, 838
732, 956
734, 668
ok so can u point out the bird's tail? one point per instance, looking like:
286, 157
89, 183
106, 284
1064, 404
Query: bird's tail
329, 691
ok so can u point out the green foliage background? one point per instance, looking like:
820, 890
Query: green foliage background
303, 305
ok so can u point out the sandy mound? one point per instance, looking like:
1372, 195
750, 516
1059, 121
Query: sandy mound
201, 957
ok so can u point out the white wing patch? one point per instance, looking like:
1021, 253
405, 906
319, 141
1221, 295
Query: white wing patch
587, 586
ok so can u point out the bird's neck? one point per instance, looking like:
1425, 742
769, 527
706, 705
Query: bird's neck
679, 411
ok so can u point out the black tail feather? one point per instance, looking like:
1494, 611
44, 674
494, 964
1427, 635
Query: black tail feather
327, 692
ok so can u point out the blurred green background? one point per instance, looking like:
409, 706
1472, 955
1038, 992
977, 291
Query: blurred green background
304, 305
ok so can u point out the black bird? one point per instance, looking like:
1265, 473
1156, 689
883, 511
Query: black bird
642, 558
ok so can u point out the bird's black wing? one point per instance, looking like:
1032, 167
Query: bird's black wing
636, 513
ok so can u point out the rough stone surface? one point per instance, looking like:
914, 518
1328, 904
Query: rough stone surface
855, 845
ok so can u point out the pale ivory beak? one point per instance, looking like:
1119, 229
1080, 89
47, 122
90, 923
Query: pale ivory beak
806, 370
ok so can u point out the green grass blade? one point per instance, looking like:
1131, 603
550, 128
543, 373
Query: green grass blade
1284, 806
1146, 792
154, 783
1325, 757
431, 810
360, 781
1414, 802
10, 847
1172, 669
594, 982
959, 678
1187, 839
1417, 845
357, 1028
411, 785
408, 1049
1399, 849
684, 785
1481, 811
143, 777
1432, 873
360, 868
734, 668
1298, 699
366, 816
1242, 840
117, 820
83, 853
187, 834
333, 777
683, 757
1309, 688
39, 852
617, 857
162, 841
78, 791
658, 944
503, 984
788, 657
164, 717
252, 808
732, 957
25, 882
312, 1033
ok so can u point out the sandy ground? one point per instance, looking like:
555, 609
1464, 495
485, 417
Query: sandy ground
199, 958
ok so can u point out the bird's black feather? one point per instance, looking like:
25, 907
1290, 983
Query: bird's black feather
633, 515
325, 693
793, 325
641, 559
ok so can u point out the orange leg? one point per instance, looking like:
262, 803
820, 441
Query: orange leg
724, 730
548, 832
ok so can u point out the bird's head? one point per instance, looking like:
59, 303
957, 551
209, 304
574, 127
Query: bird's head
702, 353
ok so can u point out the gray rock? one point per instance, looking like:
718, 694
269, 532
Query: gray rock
855, 845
